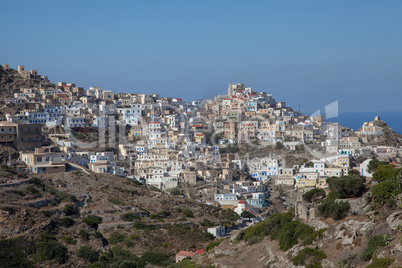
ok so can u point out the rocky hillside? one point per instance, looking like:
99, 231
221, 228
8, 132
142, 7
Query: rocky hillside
389, 138
11, 81
73, 219
345, 243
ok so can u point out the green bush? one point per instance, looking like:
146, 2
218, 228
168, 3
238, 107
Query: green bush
140, 225
280, 227
127, 264
87, 253
36, 181
93, 221
164, 213
385, 172
383, 191
52, 225
247, 215
208, 223
52, 250
18, 192
373, 244
34, 191
116, 237
129, 243
309, 257
373, 165
188, 264
46, 237
347, 186
310, 238
175, 191
98, 235
121, 253
289, 234
67, 222
380, 262
314, 195
115, 201
155, 258
188, 233
46, 213
335, 210
70, 210
154, 216
134, 237
69, 240
84, 235
350, 262
9, 169
259, 231
14, 252
188, 213
130, 217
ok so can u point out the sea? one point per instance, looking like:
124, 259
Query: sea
355, 120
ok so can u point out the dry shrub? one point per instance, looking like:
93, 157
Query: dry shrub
357, 242
339, 246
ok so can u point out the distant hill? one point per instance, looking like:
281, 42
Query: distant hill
11, 81
389, 138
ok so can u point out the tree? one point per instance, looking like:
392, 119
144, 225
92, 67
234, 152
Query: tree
353, 172
88, 254
247, 215
188, 213
346, 186
309, 257
93, 221
335, 210
279, 145
373, 164
314, 194
383, 191
385, 172
52, 250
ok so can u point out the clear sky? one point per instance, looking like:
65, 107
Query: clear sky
304, 52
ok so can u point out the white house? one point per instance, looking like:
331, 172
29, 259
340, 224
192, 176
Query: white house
217, 231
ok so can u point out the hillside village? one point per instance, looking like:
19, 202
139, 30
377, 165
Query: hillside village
243, 151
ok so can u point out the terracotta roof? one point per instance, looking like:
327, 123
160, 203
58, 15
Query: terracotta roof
186, 253
242, 202
247, 209
155, 122
200, 251
197, 126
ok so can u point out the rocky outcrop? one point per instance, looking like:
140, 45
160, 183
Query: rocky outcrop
350, 230
394, 220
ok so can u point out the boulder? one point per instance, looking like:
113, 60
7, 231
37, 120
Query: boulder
394, 220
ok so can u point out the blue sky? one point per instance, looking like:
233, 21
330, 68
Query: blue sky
303, 52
